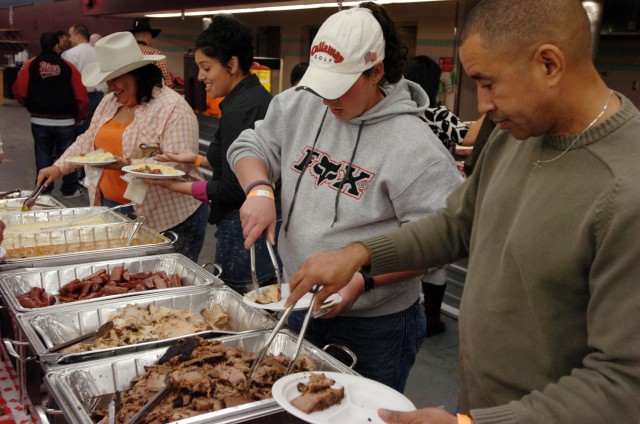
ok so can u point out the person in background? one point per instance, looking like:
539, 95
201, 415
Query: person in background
224, 55
81, 54
63, 36
451, 131
53, 123
549, 221
138, 109
144, 35
369, 166
93, 38
298, 72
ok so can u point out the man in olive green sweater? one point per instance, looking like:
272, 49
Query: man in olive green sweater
550, 220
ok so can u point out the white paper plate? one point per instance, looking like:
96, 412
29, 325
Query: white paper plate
91, 163
362, 399
303, 303
152, 176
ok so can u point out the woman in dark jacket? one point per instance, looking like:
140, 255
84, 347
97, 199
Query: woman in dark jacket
224, 55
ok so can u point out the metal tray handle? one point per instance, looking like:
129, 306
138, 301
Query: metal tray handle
345, 350
217, 268
171, 235
43, 413
8, 346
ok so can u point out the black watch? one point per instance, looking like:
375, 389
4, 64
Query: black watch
368, 280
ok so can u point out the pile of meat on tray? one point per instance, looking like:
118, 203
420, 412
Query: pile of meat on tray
100, 284
204, 376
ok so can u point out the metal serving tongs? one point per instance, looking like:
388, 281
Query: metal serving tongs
274, 262
31, 200
9, 193
278, 327
138, 223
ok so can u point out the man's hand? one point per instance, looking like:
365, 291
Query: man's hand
48, 175
332, 269
421, 416
2, 227
118, 164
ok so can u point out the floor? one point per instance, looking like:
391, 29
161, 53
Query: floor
434, 378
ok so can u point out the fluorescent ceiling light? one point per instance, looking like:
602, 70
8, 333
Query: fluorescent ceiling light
275, 8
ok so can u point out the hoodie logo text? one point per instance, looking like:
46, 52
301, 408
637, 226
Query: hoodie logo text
326, 171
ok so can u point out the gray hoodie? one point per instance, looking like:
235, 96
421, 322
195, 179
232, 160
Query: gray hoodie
387, 165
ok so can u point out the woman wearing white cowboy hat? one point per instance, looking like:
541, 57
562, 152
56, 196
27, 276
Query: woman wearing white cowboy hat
138, 110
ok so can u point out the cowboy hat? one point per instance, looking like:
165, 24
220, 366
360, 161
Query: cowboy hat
117, 54
142, 25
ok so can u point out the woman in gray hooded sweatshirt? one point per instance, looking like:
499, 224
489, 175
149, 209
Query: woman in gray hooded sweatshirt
350, 148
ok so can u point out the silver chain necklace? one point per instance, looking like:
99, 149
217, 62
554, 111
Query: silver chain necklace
538, 163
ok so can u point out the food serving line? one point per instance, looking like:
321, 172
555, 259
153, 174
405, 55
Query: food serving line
56, 250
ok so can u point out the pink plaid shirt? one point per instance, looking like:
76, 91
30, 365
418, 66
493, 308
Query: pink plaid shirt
167, 120
162, 64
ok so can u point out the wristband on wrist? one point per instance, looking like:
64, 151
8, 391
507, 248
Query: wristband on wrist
261, 193
368, 280
198, 161
464, 419
258, 183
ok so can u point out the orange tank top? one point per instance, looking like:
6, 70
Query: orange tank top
109, 137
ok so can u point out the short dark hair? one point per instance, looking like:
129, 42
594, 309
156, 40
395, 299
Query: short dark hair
146, 78
61, 33
48, 41
298, 72
426, 72
82, 31
225, 38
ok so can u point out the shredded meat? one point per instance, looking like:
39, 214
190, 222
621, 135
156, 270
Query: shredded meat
204, 376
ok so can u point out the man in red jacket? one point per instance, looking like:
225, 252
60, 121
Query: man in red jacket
51, 88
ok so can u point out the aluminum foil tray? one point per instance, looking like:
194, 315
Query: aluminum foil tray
13, 204
52, 279
83, 244
74, 386
46, 329
35, 221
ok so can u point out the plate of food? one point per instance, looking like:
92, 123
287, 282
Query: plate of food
96, 158
270, 298
331, 397
157, 172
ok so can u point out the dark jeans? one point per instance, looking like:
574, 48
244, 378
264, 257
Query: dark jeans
386, 346
50, 144
94, 100
190, 232
235, 260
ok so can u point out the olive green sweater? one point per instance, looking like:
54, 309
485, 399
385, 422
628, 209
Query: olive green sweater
550, 315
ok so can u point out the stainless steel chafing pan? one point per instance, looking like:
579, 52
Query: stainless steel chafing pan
51, 279
75, 386
81, 244
36, 220
44, 330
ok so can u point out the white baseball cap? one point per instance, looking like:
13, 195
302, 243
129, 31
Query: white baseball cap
347, 44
